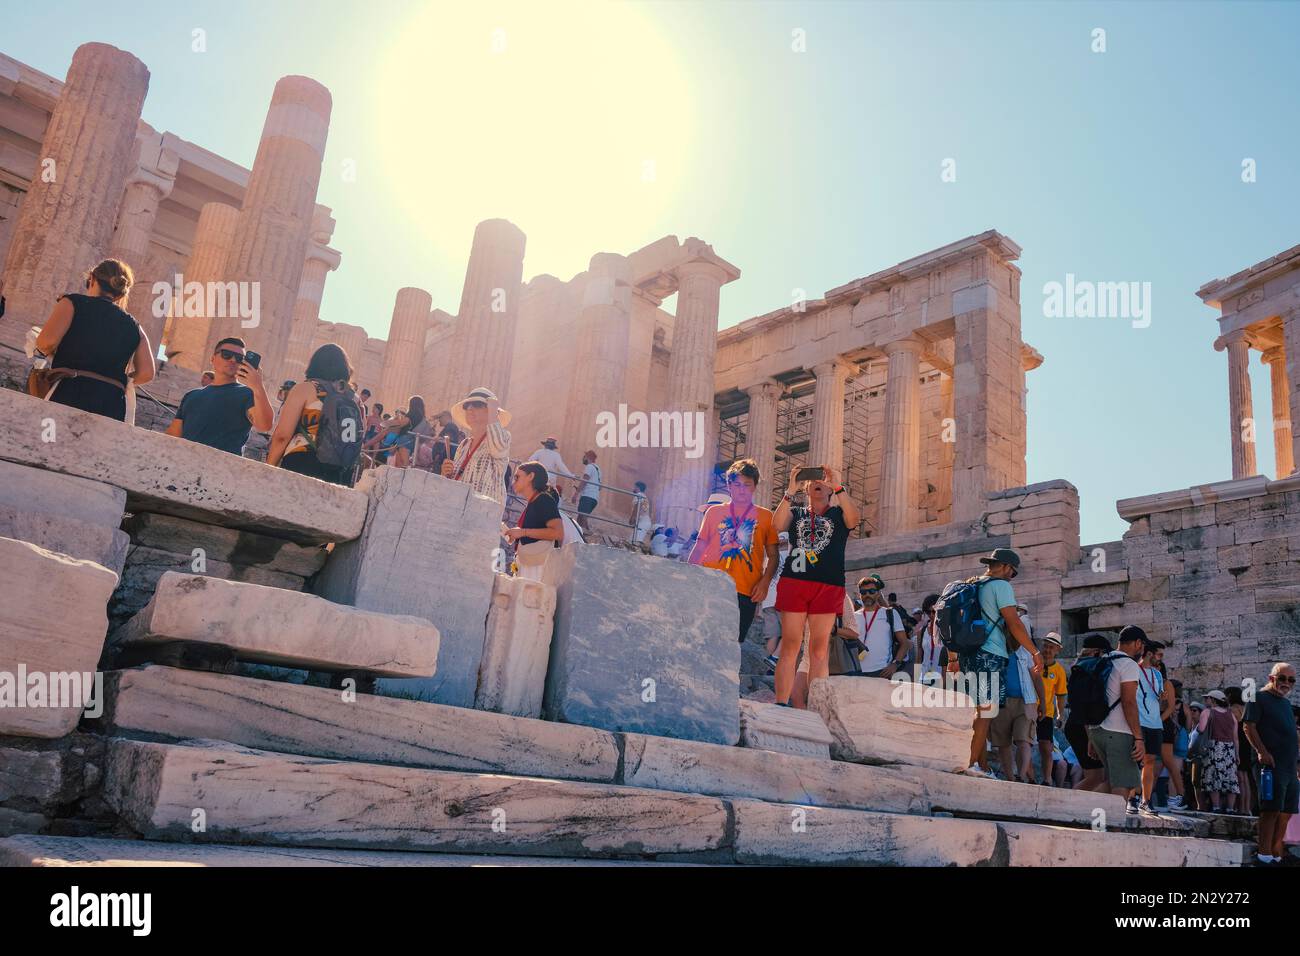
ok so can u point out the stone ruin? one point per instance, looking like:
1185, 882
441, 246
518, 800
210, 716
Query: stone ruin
241, 616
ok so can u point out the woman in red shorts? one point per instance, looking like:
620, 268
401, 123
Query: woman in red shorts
811, 588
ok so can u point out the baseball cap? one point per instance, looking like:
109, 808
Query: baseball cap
1004, 556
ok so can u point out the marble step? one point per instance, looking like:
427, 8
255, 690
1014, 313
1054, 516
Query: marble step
209, 791
237, 621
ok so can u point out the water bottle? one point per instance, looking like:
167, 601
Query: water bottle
1266, 783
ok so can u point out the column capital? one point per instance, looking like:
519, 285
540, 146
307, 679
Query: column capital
768, 388
700, 267
331, 257
906, 344
839, 367
1235, 337
1276, 353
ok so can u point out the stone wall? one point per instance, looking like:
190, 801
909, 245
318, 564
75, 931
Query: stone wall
1040, 522
1214, 571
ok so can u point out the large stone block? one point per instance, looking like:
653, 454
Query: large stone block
645, 645
238, 548
428, 549
317, 722
272, 626
879, 721
252, 796
167, 474
53, 623
512, 676
784, 729
60, 513
772, 834
1037, 845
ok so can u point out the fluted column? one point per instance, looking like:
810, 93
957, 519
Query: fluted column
604, 326
683, 482
274, 228
352, 340
760, 438
320, 262
370, 370
1240, 405
146, 188
827, 444
483, 343
902, 448
404, 354
188, 343
66, 220
1275, 359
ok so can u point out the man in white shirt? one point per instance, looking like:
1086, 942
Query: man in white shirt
549, 458
1117, 740
881, 629
588, 495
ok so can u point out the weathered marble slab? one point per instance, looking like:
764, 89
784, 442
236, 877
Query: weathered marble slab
512, 675
274, 626
878, 721
644, 645
316, 721
238, 548
52, 622
1038, 845
428, 549
784, 729
72, 516
167, 474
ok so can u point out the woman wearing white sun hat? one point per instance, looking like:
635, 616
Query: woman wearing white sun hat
482, 458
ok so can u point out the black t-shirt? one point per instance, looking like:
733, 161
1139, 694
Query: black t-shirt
824, 536
101, 339
217, 416
540, 510
1275, 724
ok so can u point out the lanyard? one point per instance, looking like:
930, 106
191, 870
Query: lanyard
933, 657
465, 464
1151, 681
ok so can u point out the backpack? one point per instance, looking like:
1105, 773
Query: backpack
963, 626
1086, 689
337, 407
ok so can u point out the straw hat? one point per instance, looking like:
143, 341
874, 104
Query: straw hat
480, 394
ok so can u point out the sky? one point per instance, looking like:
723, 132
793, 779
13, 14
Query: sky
811, 144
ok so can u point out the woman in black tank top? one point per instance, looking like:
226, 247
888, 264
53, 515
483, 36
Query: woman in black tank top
92, 333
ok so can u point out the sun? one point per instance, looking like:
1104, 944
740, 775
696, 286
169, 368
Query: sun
572, 120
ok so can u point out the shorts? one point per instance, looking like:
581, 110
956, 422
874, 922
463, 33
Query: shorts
1169, 732
1286, 792
1044, 729
797, 596
1077, 735
586, 505
986, 670
1152, 738
1116, 752
1010, 724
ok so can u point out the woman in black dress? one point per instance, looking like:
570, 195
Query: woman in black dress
94, 337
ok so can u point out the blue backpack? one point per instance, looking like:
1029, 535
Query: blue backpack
963, 626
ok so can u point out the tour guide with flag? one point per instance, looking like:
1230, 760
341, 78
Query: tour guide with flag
811, 588
737, 537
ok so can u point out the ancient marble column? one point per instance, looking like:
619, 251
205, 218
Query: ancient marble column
188, 343
148, 185
601, 359
1275, 359
760, 438
902, 446
352, 340
1241, 414
274, 228
404, 353
483, 343
66, 220
370, 370
827, 444
682, 482
320, 262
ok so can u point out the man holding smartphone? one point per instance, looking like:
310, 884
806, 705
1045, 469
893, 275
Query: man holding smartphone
222, 414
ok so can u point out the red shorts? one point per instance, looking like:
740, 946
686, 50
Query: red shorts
808, 597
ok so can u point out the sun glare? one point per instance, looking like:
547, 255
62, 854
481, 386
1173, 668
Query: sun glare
571, 120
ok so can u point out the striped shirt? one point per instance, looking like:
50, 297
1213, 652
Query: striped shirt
486, 471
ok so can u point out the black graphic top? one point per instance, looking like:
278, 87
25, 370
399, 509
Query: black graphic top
820, 539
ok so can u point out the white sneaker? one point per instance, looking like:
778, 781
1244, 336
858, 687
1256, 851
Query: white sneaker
1263, 858
1175, 802
974, 770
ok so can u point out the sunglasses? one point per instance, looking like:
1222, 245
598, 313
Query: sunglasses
1279, 679
868, 590
228, 355
468, 405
